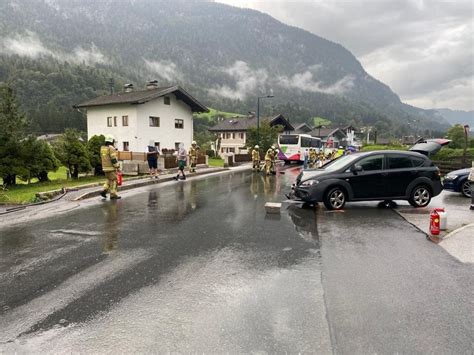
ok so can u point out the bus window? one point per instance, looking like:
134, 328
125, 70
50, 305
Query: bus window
289, 139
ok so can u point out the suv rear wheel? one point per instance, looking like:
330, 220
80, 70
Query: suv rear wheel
466, 188
420, 196
335, 198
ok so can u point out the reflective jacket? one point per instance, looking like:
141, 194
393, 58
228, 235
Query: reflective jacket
255, 155
109, 158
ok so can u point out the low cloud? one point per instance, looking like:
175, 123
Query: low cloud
247, 81
88, 56
164, 69
306, 82
29, 45
417, 47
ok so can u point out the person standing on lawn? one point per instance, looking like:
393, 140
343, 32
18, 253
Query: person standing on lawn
152, 153
110, 166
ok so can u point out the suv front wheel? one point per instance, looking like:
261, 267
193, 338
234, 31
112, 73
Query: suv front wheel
335, 199
420, 196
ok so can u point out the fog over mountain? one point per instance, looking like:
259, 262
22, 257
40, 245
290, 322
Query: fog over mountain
56, 53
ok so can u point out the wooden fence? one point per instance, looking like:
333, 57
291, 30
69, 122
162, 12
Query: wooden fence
131, 156
455, 163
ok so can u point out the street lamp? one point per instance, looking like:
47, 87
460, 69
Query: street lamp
258, 115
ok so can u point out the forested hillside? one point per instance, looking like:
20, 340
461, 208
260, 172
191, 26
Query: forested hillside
56, 53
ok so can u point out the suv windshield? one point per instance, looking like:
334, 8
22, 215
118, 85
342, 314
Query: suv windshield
340, 162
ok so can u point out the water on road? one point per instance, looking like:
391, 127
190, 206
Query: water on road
199, 266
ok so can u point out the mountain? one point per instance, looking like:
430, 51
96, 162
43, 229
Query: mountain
457, 116
56, 53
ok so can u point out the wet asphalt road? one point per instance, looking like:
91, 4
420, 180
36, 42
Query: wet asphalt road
199, 266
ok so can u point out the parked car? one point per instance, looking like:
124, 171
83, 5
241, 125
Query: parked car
376, 175
457, 181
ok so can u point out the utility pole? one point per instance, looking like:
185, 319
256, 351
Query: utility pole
258, 115
111, 85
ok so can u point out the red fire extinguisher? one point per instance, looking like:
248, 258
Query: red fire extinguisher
434, 222
119, 178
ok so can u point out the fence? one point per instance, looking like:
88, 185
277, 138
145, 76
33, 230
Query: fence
455, 163
131, 156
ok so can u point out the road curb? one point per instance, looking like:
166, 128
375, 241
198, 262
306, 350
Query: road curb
147, 182
452, 233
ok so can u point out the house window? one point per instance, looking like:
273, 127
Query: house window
176, 145
157, 144
167, 100
241, 135
115, 121
154, 121
124, 120
233, 135
227, 135
232, 150
109, 121
178, 123
126, 147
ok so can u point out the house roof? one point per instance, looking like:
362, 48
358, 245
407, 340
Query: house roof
244, 123
142, 96
302, 127
326, 132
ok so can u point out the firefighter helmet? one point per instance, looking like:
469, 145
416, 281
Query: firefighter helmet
109, 138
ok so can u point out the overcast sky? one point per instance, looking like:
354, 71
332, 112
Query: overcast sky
422, 49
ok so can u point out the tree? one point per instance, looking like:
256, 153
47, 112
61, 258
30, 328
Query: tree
13, 126
456, 134
268, 136
320, 122
73, 153
93, 149
38, 158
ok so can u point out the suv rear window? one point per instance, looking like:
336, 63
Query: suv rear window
399, 162
371, 163
417, 161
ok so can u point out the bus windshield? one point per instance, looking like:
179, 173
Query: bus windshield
289, 139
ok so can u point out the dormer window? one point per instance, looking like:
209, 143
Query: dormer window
167, 100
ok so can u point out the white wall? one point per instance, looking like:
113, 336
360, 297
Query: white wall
166, 134
97, 123
139, 133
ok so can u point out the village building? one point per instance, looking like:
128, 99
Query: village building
232, 132
302, 128
163, 115
330, 137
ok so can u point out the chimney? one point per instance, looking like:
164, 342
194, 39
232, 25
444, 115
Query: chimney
152, 85
128, 87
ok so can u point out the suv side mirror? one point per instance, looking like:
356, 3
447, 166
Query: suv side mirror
356, 168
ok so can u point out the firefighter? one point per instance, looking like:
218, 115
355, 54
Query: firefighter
313, 156
193, 157
269, 160
274, 156
256, 158
110, 166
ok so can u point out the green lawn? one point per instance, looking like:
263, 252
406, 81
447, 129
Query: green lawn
215, 162
26, 193
213, 113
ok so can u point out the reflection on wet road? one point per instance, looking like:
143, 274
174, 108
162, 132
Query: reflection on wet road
198, 266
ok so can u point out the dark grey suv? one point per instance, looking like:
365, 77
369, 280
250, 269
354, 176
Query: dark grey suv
377, 175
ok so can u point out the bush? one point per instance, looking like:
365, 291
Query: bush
210, 153
446, 154
372, 147
93, 149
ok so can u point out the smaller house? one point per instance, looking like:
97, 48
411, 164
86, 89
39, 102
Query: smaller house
233, 131
302, 128
330, 137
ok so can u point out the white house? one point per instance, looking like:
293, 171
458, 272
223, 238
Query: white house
163, 115
232, 132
